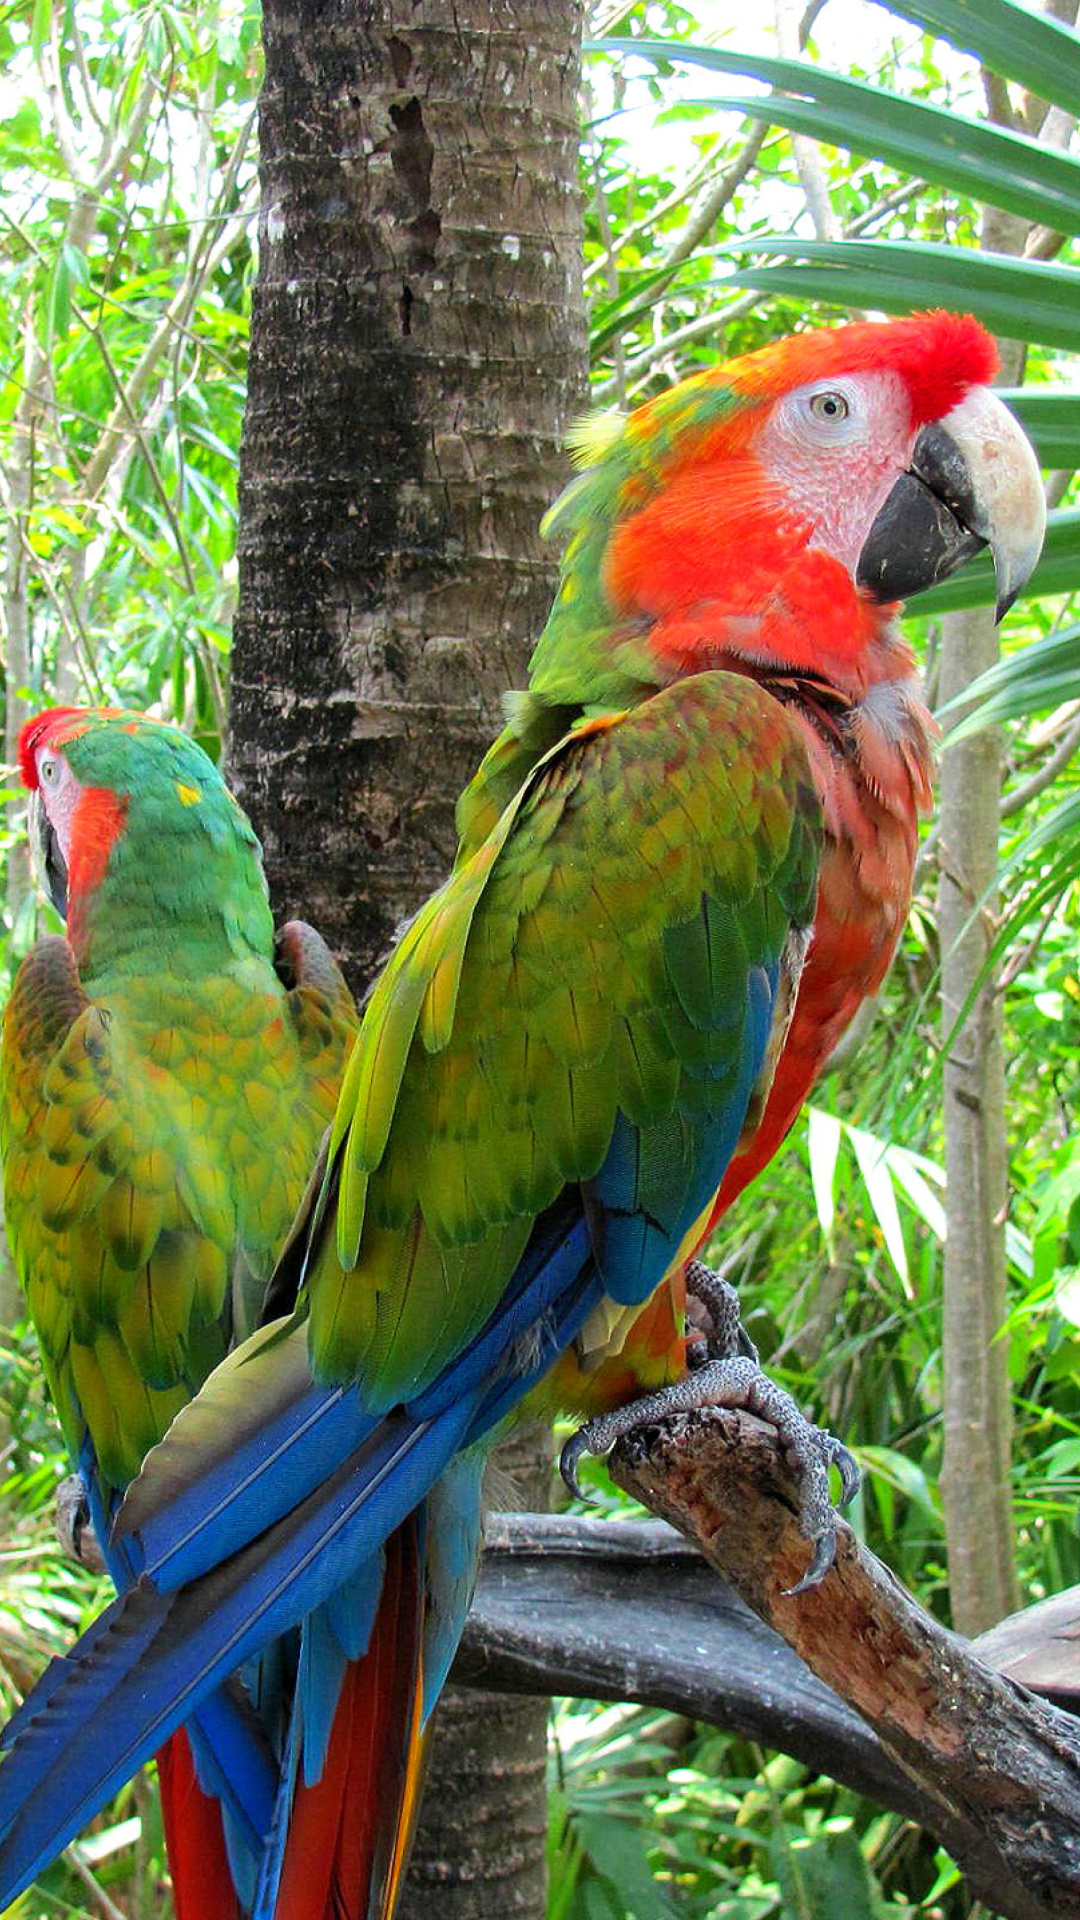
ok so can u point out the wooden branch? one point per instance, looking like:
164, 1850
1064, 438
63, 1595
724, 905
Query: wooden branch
999, 1769
628, 1610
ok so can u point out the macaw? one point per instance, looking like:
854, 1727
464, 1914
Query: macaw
167, 1074
682, 864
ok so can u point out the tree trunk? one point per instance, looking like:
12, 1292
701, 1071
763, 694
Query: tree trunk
417, 352
418, 347
976, 1469
975, 1472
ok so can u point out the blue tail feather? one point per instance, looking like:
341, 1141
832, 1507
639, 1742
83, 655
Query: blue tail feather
158, 1654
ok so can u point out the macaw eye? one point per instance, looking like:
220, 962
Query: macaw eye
48, 771
829, 406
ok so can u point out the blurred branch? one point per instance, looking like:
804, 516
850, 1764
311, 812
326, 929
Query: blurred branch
92, 1884
790, 39
702, 218
1037, 783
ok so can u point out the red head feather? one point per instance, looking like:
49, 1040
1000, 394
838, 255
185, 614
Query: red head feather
938, 355
54, 728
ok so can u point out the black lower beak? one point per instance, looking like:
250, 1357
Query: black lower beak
923, 531
53, 866
56, 874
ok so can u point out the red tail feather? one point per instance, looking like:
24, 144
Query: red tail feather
198, 1862
348, 1835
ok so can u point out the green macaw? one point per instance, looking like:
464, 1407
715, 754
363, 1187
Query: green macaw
704, 804
168, 1073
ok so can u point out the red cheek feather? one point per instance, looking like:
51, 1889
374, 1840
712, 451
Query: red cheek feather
677, 551
757, 589
97, 824
54, 729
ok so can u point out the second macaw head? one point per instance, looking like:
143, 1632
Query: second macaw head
777, 507
128, 812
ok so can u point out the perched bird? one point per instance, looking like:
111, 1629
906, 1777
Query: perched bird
603, 1021
167, 1075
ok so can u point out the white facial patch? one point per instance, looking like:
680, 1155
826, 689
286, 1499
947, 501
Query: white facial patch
58, 792
835, 447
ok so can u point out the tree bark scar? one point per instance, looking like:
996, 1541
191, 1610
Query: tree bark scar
412, 154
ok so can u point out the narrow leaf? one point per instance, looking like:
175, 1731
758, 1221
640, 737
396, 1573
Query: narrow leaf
877, 1179
1051, 415
1023, 299
1016, 42
930, 142
823, 1143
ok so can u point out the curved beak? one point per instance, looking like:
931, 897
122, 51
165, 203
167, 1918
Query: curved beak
973, 482
49, 863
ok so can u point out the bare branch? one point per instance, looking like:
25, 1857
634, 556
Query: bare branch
790, 39
1001, 1768
1038, 782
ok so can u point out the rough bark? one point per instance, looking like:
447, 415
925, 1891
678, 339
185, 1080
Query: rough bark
417, 351
418, 347
628, 1610
1000, 1769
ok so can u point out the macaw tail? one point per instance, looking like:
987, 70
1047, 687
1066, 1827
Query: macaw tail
195, 1838
348, 1833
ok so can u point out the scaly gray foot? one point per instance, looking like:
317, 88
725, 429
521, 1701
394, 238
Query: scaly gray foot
733, 1379
713, 1317
73, 1525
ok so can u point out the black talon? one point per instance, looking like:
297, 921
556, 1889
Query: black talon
850, 1473
572, 1452
820, 1561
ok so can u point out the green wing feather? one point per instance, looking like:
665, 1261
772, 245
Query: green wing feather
156, 1143
590, 957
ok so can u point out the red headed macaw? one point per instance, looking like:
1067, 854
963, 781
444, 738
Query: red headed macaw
717, 767
167, 1076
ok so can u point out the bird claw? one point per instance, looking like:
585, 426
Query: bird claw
732, 1379
715, 1313
575, 1448
74, 1527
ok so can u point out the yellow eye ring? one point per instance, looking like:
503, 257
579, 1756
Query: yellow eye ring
48, 771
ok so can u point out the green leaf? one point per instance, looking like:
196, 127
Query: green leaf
929, 142
616, 1848
871, 1155
1023, 299
1035, 680
1051, 416
823, 1877
823, 1131
1013, 41
40, 24
910, 1171
69, 270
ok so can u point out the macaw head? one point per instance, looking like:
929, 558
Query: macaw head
777, 507
128, 814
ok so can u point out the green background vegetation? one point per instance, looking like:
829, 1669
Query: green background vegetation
126, 259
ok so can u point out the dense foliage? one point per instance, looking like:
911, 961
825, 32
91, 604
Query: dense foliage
126, 261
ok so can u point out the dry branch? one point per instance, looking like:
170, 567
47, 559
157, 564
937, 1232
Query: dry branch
998, 1770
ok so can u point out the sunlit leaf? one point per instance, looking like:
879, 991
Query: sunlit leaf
929, 142
877, 1179
1016, 41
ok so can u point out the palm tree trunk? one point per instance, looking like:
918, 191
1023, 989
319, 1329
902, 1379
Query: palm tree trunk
417, 351
418, 347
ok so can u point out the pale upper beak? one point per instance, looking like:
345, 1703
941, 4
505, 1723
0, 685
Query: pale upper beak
973, 482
